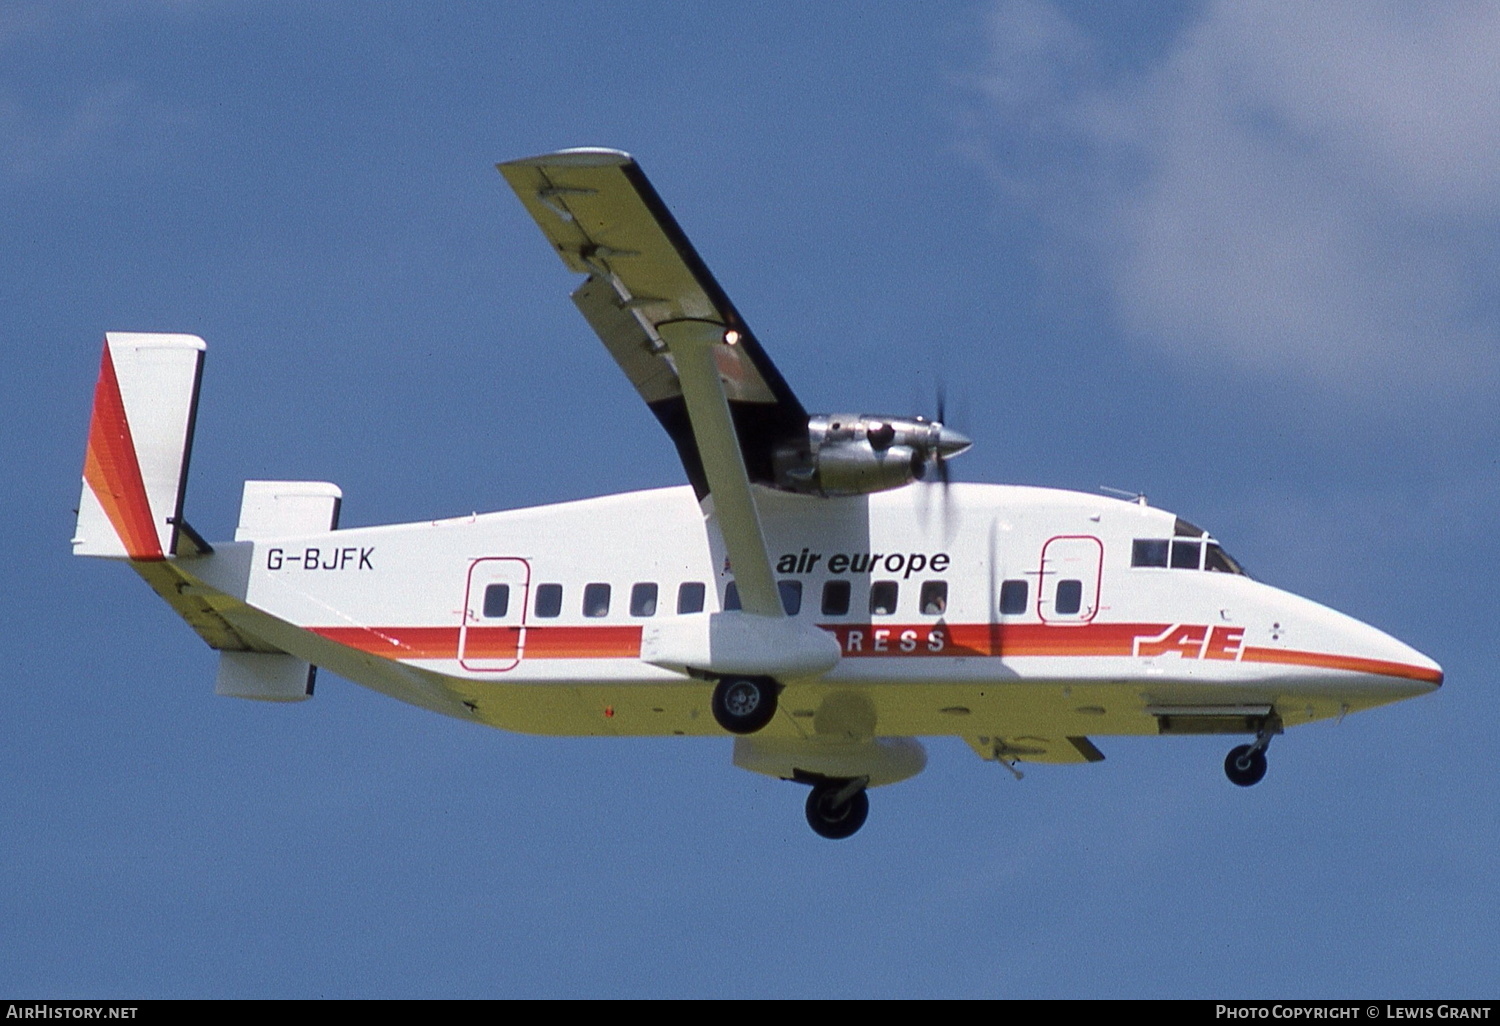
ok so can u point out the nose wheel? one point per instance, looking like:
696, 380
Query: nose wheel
743, 705
836, 809
1245, 765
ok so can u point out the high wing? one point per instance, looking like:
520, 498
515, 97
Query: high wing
677, 337
605, 220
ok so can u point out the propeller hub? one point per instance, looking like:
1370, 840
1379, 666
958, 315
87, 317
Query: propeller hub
951, 443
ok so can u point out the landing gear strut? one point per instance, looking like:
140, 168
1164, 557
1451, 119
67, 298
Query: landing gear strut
743, 705
1245, 765
838, 808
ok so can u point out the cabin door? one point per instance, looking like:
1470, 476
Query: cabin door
1068, 583
493, 635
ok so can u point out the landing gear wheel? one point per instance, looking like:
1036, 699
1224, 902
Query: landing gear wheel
835, 820
742, 705
1245, 765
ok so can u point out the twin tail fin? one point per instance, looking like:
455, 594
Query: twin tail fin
140, 437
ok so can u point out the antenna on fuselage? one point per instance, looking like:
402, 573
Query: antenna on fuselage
1139, 498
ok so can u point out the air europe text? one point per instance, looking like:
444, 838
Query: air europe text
906, 564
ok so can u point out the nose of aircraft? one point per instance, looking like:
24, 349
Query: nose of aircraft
1374, 652
1312, 635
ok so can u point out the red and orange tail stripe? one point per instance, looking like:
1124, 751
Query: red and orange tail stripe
113, 472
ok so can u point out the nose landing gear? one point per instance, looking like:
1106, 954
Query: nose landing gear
1245, 765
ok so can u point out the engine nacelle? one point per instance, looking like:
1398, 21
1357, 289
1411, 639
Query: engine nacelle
855, 454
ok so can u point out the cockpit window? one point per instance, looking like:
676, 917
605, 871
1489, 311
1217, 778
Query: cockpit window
1197, 552
1185, 554
1218, 560
1149, 552
1184, 529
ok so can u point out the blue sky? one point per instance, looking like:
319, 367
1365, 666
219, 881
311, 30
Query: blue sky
1238, 256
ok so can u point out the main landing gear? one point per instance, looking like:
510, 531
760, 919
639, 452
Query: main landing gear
1245, 765
837, 806
836, 809
743, 705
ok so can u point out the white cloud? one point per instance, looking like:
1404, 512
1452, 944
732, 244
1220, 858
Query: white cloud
1303, 189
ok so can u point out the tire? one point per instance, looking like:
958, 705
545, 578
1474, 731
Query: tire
1245, 767
743, 705
836, 822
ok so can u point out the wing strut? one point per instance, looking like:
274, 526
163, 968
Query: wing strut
693, 345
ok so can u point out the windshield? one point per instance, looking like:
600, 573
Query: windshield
1185, 552
1218, 560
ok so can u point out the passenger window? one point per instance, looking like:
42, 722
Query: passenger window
690, 597
1069, 597
731, 596
1149, 552
596, 600
883, 598
496, 600
791, 596
643, 600
549, 600
1013, 597
836, 598
934, 601
1185, 554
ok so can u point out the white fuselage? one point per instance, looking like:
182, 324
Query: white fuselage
533, 619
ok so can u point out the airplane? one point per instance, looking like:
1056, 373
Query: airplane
797, 594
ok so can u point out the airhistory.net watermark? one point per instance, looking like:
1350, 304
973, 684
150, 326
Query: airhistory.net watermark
45, 1010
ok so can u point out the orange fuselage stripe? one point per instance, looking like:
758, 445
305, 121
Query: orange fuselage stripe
1356, 664
855, 640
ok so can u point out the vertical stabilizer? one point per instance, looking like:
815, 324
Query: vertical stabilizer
275, 509
140, 436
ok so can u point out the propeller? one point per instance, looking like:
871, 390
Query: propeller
950, 443
947, 444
